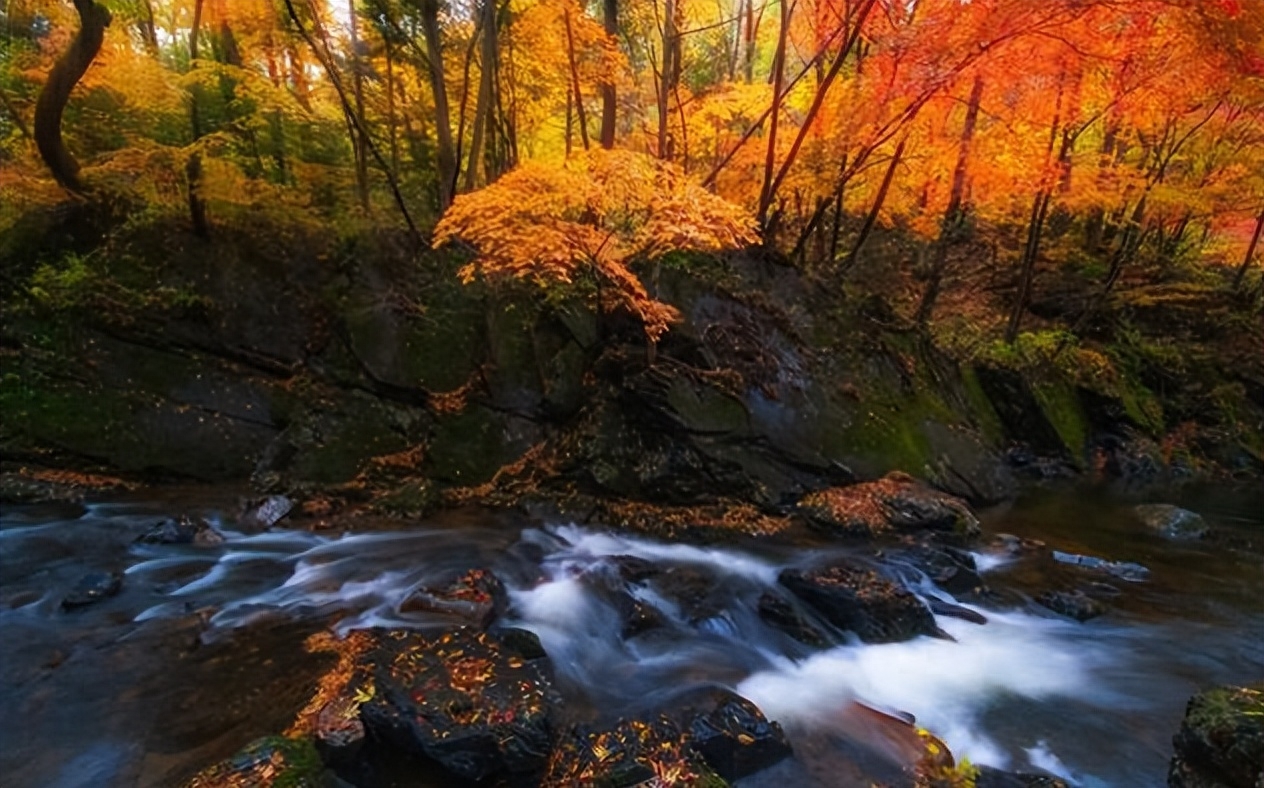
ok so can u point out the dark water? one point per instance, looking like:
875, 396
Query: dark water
201, 651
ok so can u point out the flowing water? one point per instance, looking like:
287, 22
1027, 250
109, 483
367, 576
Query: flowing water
201, 651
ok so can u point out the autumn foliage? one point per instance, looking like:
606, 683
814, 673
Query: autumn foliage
592, 216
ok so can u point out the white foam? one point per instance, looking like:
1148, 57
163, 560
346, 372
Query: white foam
585, 543
946, 685
987, 562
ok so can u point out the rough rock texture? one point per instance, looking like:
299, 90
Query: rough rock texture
1221, 740
630, 753
1072, 604
1171, 522
733, 736
478, 703
271, 762
476, 597
861, 601
93, 587
894, 502
182, 530
783, 614
995, 778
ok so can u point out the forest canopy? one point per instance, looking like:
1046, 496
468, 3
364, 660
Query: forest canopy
1113, 136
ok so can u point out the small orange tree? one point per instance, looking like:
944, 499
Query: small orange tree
592, 216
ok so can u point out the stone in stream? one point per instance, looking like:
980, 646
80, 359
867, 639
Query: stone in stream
1072, 604
1221, 740
93, 587
1171, 522
1124, 570
995, 778
732, 735
949, 568
782, 614
262, 514
477, 596
627, 754
270, 762
182, 530
477, 703
862, 601
896, 501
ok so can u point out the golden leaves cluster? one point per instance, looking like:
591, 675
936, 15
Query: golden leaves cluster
591, 217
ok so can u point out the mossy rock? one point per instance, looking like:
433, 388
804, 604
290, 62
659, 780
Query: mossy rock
412, 499
270, 762
1221, 740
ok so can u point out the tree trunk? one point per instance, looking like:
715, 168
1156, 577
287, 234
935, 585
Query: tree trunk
872, 218
392, 122
669, 76
778, 80
193, 167
953, 215
65, 74
579, 99
357, 89
1250, 252
1027, 266
446, 153
486, 105
611, 20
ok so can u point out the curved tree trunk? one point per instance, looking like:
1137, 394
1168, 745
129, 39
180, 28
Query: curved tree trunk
65, 74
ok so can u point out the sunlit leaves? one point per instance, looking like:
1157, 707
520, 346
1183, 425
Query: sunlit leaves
589, 218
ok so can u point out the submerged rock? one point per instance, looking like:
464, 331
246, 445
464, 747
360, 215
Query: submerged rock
182, 530
93, 587
949, 568
862, 601
1221, 740
1171, 522
1073, 604
1125, 570
477, 703
265, 763
896, 501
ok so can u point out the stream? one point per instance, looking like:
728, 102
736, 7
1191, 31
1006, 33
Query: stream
202, 651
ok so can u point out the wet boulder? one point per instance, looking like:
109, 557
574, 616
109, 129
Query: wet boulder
1124, 570
950, 568
897, 501
477, 596
339, 731
93, 587
262, 513
1072, 604
1221, 740
860, 600
271, 762
1171, 522
784, 615
733, 736
477, 703
182, 530
629, 753
988, 777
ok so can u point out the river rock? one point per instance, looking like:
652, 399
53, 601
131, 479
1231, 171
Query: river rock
1221, 740
1124, 570
1171, 522
949, 568
93, 587
261, 514
629, 753
782, 614
896, 501
995, 778
1072, 604
270, 762
478, 703
733, 736
476, 596
182, 530
862, 601
339, 731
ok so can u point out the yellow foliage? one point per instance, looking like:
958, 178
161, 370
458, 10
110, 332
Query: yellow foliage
592, 216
